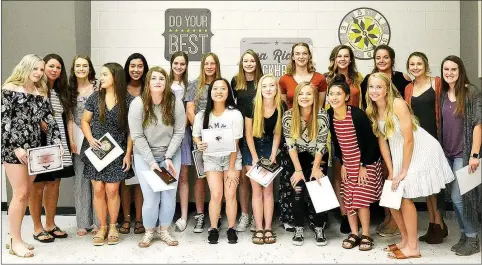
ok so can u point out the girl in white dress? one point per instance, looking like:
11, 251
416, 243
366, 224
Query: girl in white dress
411, 155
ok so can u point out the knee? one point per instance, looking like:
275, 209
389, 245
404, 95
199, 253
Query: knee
257, 194
268, 193
217, 196
112, 193
99, 191
22, 195
183, 178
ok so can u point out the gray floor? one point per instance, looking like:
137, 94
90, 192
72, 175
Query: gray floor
193, 248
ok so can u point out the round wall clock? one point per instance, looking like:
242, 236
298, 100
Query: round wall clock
363, 29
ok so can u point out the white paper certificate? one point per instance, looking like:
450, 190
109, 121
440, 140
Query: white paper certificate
44, 159
322, 195
389, 198
219, 141
468, 181
108, 152
261, 175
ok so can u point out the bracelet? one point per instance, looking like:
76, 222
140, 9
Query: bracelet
301, 170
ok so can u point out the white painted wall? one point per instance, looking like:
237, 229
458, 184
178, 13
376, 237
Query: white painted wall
120, 28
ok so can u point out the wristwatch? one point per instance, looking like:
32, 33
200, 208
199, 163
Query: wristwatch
362, 164
475, 155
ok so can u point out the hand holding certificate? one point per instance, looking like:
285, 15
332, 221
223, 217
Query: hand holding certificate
109, 150
322, 195
468, 181
219, 141
261, 175
392, 199
44, 159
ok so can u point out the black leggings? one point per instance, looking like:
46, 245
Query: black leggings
301, 194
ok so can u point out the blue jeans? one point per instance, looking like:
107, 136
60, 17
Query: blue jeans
262, 146
465, 225
158, 205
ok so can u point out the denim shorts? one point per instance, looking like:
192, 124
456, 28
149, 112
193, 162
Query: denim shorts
220, 163
263, 148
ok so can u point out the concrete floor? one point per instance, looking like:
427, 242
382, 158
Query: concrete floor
193, 248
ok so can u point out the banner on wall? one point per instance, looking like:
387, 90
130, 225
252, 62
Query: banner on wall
274, 53
187, 30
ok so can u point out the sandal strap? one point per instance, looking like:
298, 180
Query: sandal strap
166, 236
148, 237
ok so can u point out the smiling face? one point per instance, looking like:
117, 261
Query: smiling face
450, 71
136, 69
210, 66
306, 97
301, 55
249, 63
268, 88
383, 60
343, 59
416, 66
337, 97
219, 92
37, 72
377, 89
179, 65
53, 69
157, 84
106, 78
81, 68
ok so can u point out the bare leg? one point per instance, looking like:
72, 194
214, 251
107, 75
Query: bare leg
113, 200
336, 171
138, 199
215, 182
21, 183
409, 214
231, 202
257, 201
100, 203
268, 206
397, 216
51, 199
184, 190
126, 198
35, 206
244, 184
200, 194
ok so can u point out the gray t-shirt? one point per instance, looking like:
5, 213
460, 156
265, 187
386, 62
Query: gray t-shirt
191, 93
156, 140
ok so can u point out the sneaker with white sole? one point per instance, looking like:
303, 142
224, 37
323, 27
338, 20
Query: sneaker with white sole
243, 223
181, 224
298, 236
288, 227
320, 238
199, 226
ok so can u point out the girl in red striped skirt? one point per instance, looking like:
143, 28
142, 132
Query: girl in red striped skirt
361, 172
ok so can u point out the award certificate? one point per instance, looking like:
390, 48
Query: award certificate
44, 159
220, 141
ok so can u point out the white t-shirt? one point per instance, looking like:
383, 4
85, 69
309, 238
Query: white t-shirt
230, 119
178, 91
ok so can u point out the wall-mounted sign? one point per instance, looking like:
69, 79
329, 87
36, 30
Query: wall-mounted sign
274, 53
187, 30
363, 29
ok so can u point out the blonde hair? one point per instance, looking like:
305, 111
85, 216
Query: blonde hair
291, 66
241, 77
372, 109
21, 72
312, 125
202, 76
258, 114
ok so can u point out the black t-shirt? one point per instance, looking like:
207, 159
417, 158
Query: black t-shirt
244, 98
397, 79
269, 123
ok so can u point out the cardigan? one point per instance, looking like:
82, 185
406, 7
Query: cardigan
438, 93
367, 141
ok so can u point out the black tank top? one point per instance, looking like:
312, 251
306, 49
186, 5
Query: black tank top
424, 109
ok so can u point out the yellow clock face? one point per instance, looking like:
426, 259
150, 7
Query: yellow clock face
363, 29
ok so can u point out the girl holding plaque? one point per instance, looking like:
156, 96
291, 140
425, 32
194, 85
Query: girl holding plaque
157, 124
222, 168
24, 106
106, 112
263, 138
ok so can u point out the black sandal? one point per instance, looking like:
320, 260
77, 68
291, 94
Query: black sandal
48, 238
367, 245
351, 242
57, 229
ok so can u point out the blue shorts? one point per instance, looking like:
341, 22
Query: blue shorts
263, 148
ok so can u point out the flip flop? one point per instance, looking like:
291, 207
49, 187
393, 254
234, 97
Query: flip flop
47, 237
399, 255
57, 229
391, 248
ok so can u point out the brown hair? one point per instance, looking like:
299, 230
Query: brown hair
168, 100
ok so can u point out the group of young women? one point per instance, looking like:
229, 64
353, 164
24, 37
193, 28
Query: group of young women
384, 126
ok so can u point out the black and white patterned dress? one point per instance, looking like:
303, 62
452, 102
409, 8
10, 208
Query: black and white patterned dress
113, 172
21, 117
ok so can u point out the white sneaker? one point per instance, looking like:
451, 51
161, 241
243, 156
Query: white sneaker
243, 223
288, 227
181, 224
252, 228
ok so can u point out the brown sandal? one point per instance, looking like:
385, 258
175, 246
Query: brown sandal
269, 239
123, 229
353, 240
366, 243
256, 239
139, 228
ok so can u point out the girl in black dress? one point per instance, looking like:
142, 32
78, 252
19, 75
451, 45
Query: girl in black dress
106, 112
24, 106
